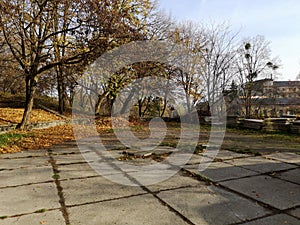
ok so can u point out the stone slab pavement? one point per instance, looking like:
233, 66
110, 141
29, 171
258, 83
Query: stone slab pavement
58, 187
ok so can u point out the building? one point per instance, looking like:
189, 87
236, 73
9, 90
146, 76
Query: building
272, 99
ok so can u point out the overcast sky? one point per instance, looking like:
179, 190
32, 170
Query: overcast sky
277, 20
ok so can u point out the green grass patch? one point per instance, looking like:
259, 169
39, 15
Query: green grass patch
10, 138
56, 176
3, 217
41, 211
279, 136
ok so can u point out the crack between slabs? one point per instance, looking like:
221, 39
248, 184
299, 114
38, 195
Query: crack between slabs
59, 188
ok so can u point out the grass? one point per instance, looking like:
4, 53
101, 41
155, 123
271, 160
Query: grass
3, 217
10, 138
278, 136
245, 151
56, 176
41, 211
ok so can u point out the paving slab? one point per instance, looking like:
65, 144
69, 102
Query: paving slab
48, 218
211, 205
279, 219
23, 176
82, 170
136, 210
176, 181
112, 167
145, 176
219, 171
226, 155
287, 157
64, 150
260, 164
24, 162
291, 175
72, 158
89, 190
26, 154
295, 212
275, 192
197, 159
28, 199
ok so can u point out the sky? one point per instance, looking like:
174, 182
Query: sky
277, 20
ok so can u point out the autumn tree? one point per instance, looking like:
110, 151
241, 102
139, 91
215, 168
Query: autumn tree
10, 75
187, 71
28, 30
45, 35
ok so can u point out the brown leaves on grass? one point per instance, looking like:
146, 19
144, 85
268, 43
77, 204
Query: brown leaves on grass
14, 115
45, 138
39, 139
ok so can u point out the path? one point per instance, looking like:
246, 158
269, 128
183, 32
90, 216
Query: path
58, 187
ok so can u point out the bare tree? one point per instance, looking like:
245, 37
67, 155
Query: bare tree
253, 60
218, 61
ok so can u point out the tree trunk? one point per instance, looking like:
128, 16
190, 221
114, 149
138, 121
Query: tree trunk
248, 103
164, 108
140, 105
30, 91
100, 100
60, 90
127, 101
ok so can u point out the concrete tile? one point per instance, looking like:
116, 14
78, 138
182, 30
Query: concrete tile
219, 171
153, 174
64, 150
278, 219
90, 190
28, 199
27, 175
48, 218
70, 158
260, 164
226, 155
295, 212
211, 205
175, 181
76, 171
287, 157
25, 154
197, 159
164, 149
24, 162
291, 175
275, 192
136, 210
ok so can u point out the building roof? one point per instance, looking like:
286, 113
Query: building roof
278, 101
286, 83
